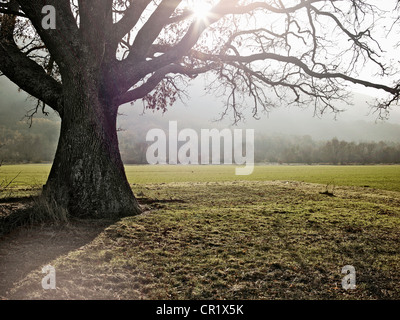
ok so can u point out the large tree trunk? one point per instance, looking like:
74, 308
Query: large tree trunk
88, 177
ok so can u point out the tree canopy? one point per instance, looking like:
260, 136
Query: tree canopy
264, 52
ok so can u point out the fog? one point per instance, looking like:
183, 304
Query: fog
199, 111
357, 123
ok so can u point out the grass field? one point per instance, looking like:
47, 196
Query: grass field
378, 177
208, 234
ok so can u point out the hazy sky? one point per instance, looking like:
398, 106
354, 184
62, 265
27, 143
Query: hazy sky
357, 123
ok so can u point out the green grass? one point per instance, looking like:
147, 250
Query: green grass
208, 235
22, 180
237, 240
377, 177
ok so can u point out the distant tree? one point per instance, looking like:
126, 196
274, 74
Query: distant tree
105, 53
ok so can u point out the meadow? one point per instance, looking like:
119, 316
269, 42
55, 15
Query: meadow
33, 176
208, 234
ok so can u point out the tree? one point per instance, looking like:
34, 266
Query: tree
105, 53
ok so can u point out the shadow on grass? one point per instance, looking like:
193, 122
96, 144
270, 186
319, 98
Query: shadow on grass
27, 246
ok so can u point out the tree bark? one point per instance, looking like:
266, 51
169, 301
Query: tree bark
88, 177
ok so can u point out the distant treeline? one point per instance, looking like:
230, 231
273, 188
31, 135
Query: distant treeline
21, 144
295, 149
305, 150
38, 144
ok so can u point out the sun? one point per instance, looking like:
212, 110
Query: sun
200, 9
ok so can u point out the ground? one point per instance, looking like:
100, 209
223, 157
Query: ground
28, 249
220, 239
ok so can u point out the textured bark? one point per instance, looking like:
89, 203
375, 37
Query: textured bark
88, 176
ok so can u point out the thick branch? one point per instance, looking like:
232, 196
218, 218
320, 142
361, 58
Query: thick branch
62, 42
29, 76
159, 75
128, 21
130, 70
91, 13
152, 28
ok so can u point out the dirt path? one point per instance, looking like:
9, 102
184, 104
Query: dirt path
28, 249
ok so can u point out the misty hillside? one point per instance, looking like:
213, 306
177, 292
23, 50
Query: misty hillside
21, 143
